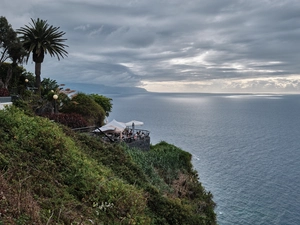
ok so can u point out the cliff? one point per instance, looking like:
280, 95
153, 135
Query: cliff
51, 175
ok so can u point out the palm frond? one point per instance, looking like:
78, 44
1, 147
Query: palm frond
40, 38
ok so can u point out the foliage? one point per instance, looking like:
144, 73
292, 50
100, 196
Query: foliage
85, 106
27, 79
4, 92
71, 120
47, 177
16, 83
24, 106
172, 165
104, 102
188, 203
39, 39
48, 85
7, 37
10, 48
169, 160
51, 175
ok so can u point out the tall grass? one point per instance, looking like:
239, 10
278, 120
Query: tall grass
51, 175
163, 161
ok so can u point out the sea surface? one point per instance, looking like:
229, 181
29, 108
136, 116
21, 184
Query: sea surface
246, 148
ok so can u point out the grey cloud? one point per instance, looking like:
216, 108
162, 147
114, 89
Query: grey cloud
127, 42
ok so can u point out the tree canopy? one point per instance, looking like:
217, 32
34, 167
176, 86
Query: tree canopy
104, 102
7, 38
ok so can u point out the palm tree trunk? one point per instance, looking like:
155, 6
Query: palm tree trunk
38, 77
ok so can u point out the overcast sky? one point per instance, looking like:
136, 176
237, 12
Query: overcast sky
171, 45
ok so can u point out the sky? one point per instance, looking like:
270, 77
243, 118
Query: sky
171, 45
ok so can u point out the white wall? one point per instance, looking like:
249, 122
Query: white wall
2, 105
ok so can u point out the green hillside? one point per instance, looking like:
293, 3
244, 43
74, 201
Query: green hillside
51, 175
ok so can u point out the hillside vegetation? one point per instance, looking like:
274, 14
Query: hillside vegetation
51, 175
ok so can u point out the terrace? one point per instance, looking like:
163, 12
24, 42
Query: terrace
139, 138
118, 132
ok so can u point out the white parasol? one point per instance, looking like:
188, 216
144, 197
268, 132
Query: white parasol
114, 126
135, 122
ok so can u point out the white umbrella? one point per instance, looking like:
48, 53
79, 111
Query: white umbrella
135, 122
113, 126
107, 128
120, 126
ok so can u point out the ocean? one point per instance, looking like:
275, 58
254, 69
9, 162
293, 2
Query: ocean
246, 148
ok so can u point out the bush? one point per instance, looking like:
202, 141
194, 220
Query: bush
4, 92
84, 105
71, 120
104, 102
48, 178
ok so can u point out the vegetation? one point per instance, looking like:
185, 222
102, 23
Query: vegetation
7, 35
71, 120
48, 86
4, 92
85, 106
44, 97
10, 49
39, 39
103, 101
13, 78
51, 175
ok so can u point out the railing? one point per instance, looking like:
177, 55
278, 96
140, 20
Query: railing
84, 129
139, 134
140, 139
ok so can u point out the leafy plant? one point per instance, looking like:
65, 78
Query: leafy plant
48, 85
104, 102
85, 106
71, 120
4, 92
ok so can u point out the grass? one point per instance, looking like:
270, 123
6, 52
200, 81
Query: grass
51, 175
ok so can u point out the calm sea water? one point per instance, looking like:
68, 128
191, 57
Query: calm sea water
246, 148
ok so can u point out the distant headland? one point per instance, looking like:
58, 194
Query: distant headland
103, 89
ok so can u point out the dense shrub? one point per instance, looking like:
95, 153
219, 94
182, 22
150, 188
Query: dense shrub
4, 92
189, 203
48, 85
104, 102
46, 178
164, 171
84, 105
71, 120
24, 105
16, 80
51, 175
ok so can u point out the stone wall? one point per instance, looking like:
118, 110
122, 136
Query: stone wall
5, 99
143, 144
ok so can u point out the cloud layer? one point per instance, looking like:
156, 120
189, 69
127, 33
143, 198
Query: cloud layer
172, 45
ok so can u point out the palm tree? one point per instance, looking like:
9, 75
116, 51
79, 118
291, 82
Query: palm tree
39, 39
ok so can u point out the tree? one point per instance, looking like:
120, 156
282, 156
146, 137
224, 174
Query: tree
104, 102
84, 105
48, 85
10, 48
7, 36
39, 39
12, 77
